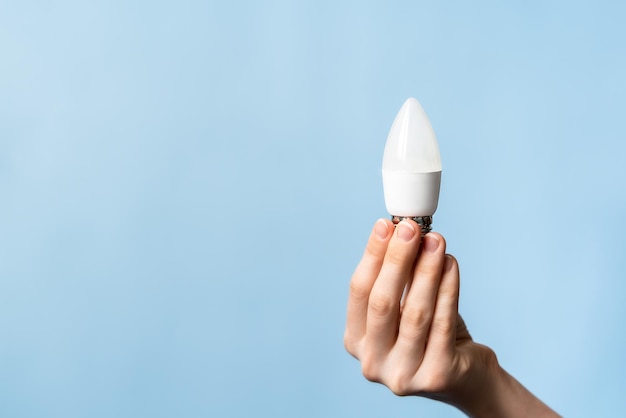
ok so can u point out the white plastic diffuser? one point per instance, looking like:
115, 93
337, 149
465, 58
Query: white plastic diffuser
412, 166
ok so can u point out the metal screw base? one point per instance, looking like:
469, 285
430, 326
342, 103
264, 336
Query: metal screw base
423, 221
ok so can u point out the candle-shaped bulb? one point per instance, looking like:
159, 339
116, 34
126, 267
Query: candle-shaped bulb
412, 166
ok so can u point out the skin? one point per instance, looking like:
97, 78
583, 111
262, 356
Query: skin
404, 327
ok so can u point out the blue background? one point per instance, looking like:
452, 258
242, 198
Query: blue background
187, 186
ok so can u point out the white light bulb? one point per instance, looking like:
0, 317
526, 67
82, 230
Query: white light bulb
411, 164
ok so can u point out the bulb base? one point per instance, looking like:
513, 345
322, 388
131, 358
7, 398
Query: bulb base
424, 222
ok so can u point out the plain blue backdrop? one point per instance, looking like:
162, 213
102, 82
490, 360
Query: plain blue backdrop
187, 186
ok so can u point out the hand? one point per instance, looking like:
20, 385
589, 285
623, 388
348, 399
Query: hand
403, 323
404, 327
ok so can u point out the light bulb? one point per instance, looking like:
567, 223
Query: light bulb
412, 167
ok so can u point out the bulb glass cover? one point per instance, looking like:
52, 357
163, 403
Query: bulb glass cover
411, 164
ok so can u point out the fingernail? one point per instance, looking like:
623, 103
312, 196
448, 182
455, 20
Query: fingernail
381, 229
448, 263
406, 231
430, 243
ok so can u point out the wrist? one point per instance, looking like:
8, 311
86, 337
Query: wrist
478, 375
478, 394
489, 391
488, 387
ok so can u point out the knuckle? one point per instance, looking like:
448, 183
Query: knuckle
381, 305
358, 291
443, 326
415, 322
396, 257
429, 269
400, 385
349, 344
370, 368
374, 250
370, 374
448, 291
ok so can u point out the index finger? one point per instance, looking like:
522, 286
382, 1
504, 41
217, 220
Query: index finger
362, 282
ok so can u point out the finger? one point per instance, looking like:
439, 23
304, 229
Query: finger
420, 302
384, 301
406, 290
442, 336
362, 281
462, 333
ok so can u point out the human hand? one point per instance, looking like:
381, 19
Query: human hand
402, 322
403, 326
